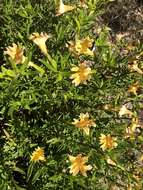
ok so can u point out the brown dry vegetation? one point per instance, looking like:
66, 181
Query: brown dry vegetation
125, 16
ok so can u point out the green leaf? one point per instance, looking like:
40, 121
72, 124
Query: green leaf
54, 64
19, 170
39, 69
78, 24
7, 72
49, 66
54, 140
37, 175
30, 170
59, 77
13, 107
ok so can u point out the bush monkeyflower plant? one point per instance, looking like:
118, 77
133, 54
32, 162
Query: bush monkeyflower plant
38, 101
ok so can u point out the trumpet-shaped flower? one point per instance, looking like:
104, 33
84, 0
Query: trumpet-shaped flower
78, 164
38, 155
16, 53
84, 123
134, 88
40, 40
124, 111
81, 75
82, 46
63, 8
108, 142
135, 67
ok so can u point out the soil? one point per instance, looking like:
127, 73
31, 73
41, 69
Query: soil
125, 16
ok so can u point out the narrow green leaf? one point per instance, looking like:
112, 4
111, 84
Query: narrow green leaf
39, 69
37, 175
30, 170
49, 66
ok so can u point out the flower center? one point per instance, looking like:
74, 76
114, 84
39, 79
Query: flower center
109, 142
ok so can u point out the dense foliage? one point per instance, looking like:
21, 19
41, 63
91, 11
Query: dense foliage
47, 95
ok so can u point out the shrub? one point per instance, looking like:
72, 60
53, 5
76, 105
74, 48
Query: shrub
71, 99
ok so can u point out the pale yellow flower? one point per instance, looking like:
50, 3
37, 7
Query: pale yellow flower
141, 158
124, 111
82, 46
38, 155
84, 123
129, 133
62, 8
135, 123
108, 142
16, 53
130, 47
40, 40
81, 74
135, 67
78, 165
120, 36
134, 88
110, 161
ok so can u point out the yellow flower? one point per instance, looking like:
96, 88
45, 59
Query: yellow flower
111, 162
134, 88
108, 142
40, 40
124, 111
84, 123
78, 165
16, 53
82, 46
63, 8
135, 67
135, 123
141, 158
81, 75
129, 133
130, 47
38, 155
120, 36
